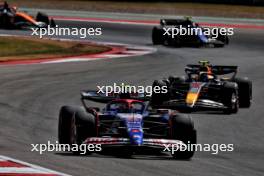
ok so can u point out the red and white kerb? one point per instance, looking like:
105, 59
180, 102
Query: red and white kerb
13, 167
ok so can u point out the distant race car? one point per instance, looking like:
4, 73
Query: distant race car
204, 88
11, 18
126, 123
162, 34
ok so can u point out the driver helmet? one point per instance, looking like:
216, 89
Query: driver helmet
15, 8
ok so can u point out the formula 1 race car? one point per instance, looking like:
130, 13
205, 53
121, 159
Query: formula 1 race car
128, 124
205, 88
11, 18
169, 33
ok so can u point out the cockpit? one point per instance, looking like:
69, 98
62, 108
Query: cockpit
121, 106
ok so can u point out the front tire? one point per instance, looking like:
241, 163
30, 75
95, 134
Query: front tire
230, 98
244, 92
66, 119
75, 125
183, 130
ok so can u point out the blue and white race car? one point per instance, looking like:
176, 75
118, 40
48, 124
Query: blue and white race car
185, 32
126, 123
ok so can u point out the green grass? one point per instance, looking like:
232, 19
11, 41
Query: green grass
18, 47
14, 48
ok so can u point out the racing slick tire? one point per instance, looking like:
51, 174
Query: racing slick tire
75, 125
177, 80
5, 21
244, 92
230, 97
173, 42
223, 38
52, 23
158, 98
219, 45
176, 42
157, 36
183, 130
41, 17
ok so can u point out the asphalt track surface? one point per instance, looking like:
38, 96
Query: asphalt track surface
31, 95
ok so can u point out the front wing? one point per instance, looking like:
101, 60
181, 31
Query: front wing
156, 143
201, 104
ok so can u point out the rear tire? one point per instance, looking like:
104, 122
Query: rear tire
183, 130
52, 23
219, 45
41, 17
158, 98
173, 42
223, 38
157, 36
176, 42
177, 79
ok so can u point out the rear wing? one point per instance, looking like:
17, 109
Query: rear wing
217, 69
100, 97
